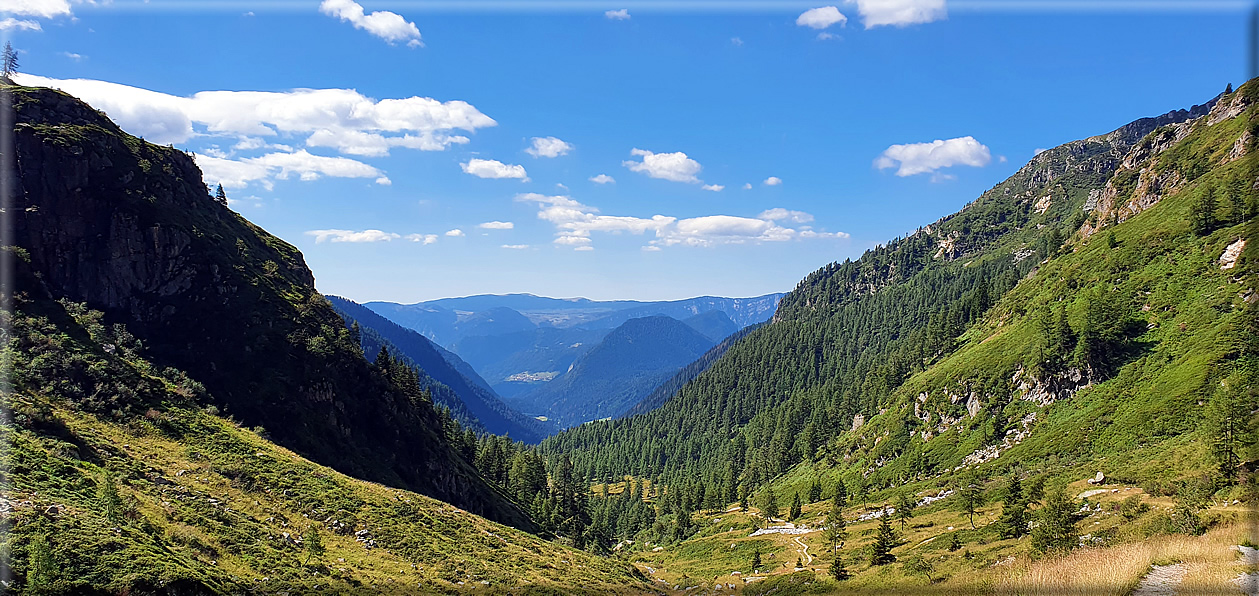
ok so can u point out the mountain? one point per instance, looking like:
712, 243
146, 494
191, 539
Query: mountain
441, 374
119, 479
665, 390
516, 363
714, 324
127, 228
1069, 319
619, 371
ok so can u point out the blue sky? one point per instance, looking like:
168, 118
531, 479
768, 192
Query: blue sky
830, 128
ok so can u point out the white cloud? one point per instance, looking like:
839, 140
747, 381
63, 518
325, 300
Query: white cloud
70, 55
497, 225
340, 118
713, 187
736, 41
12, 24
1038, 151
352, 236
618, 15
921, 158
900, 13
575, 223
780, 214
773, 181
676, 167
826, 35
603, 179
821, 18
455, 233
42, 9
490, 168
548, 147
747, 186
516, 246
239, 173
389, 26
425, 239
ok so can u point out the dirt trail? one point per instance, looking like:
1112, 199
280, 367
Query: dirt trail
1248, 581
1162, 580
804, 551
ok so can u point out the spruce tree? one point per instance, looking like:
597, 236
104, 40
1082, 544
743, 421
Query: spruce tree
837, 569
904, 509
1013, 521
756, 559
884, 542
840, 499
794, 512
8, 61
220, 196
313, 544
815, 491
836, 530
770, 508
1055, 530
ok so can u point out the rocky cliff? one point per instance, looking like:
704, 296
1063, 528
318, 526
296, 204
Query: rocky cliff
129, 228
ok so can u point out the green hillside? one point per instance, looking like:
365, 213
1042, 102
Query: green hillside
1094, 313
119, 479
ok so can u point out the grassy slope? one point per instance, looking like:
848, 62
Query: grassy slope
208, 506
1145, 426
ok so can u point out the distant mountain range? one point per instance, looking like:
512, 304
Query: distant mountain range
528, 348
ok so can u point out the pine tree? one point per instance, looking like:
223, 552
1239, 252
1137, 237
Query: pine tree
815, 491
770, 509
836, 531
795, 507
313, 544
8, 61
1202, 211
1233, 427
884, 542
1055, 530
220, 196
904, 509
756, 560
1013, 521
743, 498
840, 499
971, 495
837, 569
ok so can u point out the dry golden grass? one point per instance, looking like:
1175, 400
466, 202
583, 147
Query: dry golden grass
1211, 561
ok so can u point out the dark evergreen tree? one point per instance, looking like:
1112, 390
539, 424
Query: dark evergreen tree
220, 196
770, 506
815, 491
884, 541
756, 560
837, 569
8, 61
1202, 220
796, 506
1013, 521
1055, 530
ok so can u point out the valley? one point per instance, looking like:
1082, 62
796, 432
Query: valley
1054, 390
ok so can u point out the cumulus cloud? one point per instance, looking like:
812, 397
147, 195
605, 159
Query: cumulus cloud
575, 223
603, 179
548, 147
491, 168
455, 233
12, 24
42, 9
339, 118
821, 18
900, 13
352, 236
713, 187
923, 158
264, 168
780, 214
747, 186
676, 166
424, 239
389, 26
497, 225
618, 15
773, 181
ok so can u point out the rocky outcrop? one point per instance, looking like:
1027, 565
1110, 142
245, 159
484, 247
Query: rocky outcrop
130, 229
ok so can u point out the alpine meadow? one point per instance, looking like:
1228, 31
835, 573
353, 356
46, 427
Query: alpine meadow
441, 298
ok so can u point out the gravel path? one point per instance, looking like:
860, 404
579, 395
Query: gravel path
804, 551
1162, 580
